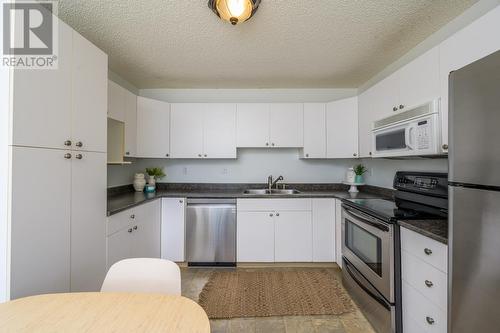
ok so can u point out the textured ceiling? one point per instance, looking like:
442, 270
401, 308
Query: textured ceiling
287, 44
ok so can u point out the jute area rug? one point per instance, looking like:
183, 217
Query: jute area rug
238, 294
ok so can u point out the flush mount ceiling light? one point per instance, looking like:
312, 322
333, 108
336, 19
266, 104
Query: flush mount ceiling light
234, 11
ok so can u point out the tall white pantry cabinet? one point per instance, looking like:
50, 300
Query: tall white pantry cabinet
56, 211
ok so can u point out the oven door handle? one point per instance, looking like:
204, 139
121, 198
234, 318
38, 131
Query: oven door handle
377, 298
365, 218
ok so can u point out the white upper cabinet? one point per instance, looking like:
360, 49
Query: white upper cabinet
41, 100
314, 130
219, 134
153, 126
270, 125
252, 125
365, 123
116, 101
385, 97
130, 124
186, 130
203, 130
90, 78
342, 128
286, 124
472, 43
419, 80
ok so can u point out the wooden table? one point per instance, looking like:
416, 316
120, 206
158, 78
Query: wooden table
103, 312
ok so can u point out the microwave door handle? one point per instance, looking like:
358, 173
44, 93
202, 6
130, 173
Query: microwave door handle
408, 137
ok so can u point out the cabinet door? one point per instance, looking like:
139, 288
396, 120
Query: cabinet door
130, 124
219, 131
314, 130
323, 226
41, 114
385, 97
88, 221
116, 101
342, 128
153, 124
286, 124
419, 80
472, 43
255, 237
40, 222
173, 228
365, 123
90, 79
119, 245
252, 125
146, 234
186, 130
293, 236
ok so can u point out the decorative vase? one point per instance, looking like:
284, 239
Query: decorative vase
139, 182
350, 175
358, 179
152, 180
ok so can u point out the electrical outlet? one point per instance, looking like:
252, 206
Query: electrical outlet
224, 171
184, 171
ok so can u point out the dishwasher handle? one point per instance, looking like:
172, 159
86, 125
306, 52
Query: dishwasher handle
210, 201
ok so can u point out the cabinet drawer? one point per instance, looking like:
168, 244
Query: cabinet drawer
417, 309
428, 280
258, 205
120, 221
426, 249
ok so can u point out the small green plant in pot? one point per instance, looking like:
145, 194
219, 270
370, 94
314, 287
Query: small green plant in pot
359, 170
154, 174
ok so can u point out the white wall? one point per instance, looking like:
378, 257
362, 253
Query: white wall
254, 165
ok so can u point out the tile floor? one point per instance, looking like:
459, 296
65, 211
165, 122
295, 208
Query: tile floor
193, 280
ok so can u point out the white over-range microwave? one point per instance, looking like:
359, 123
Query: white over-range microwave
416, 132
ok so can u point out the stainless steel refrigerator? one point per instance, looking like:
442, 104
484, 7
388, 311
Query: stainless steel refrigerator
474, 197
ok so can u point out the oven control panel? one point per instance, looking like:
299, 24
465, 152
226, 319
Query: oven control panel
430, 183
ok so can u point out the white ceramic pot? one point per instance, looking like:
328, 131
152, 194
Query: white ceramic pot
350, 176
139, 182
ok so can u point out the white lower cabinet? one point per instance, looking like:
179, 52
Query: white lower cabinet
286, 230
293, 236
425, 283
173, 212
134, 233
255, 236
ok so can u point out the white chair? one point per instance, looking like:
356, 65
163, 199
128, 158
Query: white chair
143, 275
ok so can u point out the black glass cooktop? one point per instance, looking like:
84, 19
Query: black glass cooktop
396, 210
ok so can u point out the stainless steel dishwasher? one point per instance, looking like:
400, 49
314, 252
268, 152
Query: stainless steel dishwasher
211, 232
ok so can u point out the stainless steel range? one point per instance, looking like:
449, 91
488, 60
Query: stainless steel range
371, 243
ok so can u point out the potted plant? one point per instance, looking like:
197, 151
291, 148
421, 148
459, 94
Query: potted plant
359, 170
154, 174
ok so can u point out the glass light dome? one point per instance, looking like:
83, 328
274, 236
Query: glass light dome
234, 11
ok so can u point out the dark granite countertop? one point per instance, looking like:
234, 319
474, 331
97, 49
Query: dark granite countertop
124, 197
435, 229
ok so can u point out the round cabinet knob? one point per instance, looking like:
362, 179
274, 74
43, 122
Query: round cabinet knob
277, 214
272, 144
370, 153
135, 227
181, 201
354, 154
67, 156
167, 155
429, 283
129, 230
395, 108
199, 155
67, 143
79, 144
271, 215
428, 251
132, 216
307, 155
267, 143
401, 107
430, 320
205, 155
79, 156
127, 153
445, 146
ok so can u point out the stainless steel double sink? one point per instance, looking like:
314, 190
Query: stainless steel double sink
270, 192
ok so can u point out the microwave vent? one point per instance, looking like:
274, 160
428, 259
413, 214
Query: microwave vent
418, 111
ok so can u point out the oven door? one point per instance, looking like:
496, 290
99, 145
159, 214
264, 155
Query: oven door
367, 243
